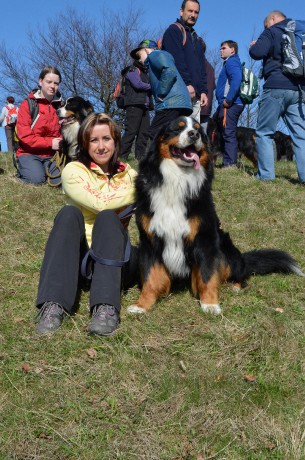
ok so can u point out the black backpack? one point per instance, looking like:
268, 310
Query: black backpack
120, 88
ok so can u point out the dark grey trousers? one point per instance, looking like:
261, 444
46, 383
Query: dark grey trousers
60, 277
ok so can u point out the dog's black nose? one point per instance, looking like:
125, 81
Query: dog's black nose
193, 134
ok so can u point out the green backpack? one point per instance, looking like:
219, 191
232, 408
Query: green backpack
249, 87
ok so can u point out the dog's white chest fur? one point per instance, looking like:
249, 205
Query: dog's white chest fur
168, 203
70, 134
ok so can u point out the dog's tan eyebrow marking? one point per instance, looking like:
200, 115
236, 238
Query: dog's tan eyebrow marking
196, 126
181, 123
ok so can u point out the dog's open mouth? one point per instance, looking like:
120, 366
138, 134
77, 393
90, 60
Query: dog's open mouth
66, 120
188, 154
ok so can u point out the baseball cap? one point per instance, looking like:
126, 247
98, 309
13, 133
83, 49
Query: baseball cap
143, 44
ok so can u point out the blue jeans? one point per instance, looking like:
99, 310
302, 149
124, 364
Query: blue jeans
276, 103
33, 169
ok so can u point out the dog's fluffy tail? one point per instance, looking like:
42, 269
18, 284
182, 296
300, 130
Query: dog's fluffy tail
264, 261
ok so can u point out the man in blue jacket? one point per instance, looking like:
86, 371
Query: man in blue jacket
281, 97
182, 42
230, 105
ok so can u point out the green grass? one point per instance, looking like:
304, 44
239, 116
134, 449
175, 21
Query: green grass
169, 385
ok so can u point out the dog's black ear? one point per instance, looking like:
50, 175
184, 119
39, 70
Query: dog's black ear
204, 136
88, 107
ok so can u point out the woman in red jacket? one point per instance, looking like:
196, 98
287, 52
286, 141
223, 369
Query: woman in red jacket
40, 138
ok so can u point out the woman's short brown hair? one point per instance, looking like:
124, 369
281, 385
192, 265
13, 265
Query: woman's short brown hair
84, 133
49, 69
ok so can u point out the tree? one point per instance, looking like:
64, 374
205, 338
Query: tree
90, 55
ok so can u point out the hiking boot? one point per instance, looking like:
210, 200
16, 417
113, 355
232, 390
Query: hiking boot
49, 317
104, 320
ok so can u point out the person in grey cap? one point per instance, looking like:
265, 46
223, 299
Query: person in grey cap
170, 93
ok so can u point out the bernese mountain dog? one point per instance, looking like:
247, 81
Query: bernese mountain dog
180, 233
71, 115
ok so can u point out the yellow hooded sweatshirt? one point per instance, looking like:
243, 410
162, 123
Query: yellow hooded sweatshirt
92, 191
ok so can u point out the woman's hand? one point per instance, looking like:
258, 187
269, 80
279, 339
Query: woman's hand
56, 143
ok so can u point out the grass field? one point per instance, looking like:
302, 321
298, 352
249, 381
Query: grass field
175, 384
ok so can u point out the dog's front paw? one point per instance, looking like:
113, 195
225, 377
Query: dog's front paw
134, 309
211, 308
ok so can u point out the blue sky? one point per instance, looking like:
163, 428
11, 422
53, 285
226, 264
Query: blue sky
219, 19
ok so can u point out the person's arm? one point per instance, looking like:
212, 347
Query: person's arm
97, 196
172, 43
135, 80
164, 63
260, 48
27, 136
234, 72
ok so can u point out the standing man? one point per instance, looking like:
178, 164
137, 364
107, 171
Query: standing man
8, 119
230, 104
281, 97
181, 40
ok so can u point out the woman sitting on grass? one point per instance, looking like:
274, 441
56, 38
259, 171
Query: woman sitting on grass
98, 187
40, 138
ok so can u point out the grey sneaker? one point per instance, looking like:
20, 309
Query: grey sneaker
104, 320
49, 317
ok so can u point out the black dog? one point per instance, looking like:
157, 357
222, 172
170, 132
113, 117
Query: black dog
180, 234
246, 143
71, 115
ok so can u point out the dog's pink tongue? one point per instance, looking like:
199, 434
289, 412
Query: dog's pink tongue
193, 156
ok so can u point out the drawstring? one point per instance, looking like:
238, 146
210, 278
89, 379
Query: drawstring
224, 121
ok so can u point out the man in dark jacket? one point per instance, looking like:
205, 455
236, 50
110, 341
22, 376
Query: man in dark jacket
281, 97
137, 103
185, 46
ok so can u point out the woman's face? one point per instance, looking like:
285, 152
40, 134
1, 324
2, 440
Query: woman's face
101, 146
49, 85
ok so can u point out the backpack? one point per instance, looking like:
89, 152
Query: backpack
249, 87
120, 88
183, 32
11, 116
119, 92
34, 112
293, 49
